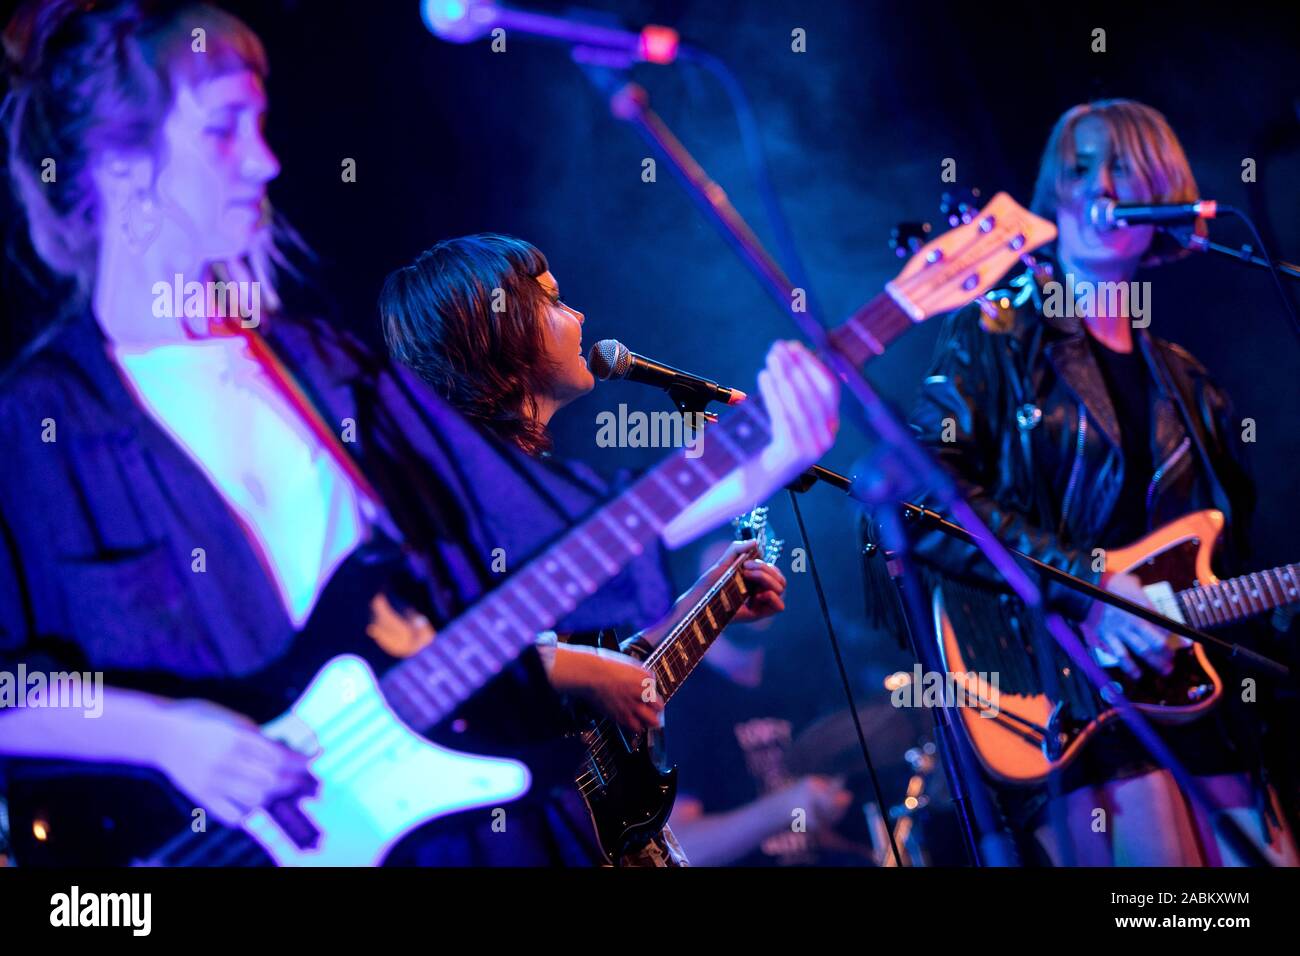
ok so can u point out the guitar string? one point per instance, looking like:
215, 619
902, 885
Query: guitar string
731, 584
1209, 598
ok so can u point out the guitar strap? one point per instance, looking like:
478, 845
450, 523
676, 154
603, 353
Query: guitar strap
293, 393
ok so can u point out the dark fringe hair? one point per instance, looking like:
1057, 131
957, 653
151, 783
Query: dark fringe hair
466, 316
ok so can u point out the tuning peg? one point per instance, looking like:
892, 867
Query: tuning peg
959, 208
907, 237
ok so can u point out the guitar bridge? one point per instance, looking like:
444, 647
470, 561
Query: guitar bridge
1054, 738
297, 826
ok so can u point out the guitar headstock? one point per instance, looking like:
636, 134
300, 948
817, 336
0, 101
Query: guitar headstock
965, 262
753, 526
772, 550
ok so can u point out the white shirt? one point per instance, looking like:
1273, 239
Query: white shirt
220, 405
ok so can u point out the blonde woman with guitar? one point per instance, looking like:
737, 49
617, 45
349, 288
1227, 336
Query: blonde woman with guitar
1073, 428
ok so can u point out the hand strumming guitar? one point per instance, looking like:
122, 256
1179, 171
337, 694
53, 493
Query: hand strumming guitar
1116, 637
617, 685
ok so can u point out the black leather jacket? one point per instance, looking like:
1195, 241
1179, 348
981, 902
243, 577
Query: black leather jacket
1034, 441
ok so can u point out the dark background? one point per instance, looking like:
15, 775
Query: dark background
452, 139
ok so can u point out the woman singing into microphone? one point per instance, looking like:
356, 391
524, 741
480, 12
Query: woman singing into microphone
481, 320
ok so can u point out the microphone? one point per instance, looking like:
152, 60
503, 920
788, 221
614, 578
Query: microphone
464, 21
1108, 214
611, 359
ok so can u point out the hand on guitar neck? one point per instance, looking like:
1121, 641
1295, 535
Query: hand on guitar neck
766, 592
802, 401
765, 581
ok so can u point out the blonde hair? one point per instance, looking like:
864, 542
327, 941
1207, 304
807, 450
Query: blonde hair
1143, 138
88, 76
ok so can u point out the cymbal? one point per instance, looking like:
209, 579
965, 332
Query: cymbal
830, 744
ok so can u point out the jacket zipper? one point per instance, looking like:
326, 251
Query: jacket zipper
1163, 470
1078, 464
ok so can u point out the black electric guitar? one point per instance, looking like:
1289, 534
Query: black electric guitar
624, 778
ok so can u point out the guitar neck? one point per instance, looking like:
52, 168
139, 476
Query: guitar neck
427, 687
870, 330
945, 274
1239, 598
685, 646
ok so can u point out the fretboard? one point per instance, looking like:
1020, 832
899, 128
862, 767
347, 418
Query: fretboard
684, 647
870, 330
1239, 598
427, 687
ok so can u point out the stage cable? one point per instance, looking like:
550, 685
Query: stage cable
844, 677
1287, 305
756, 156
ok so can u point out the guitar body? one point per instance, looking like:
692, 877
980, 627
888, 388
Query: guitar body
378, 780
625, 781
636, 794
1032, 735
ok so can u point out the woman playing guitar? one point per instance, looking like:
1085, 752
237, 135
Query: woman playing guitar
1072, 428
510, 367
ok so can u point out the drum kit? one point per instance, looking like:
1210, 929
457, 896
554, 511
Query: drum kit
907, 765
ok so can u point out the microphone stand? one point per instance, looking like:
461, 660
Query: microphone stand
920, 516
1243, 254
900, 462
1189, 240
693, 404
795, 488
976, 813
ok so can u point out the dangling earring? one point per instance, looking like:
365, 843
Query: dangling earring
141, 221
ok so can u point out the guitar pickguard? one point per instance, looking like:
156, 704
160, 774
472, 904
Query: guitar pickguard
378, 781
1032, 734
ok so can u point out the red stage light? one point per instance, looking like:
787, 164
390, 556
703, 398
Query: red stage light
658, 44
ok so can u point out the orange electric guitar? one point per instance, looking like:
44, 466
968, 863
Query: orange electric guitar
1026, 736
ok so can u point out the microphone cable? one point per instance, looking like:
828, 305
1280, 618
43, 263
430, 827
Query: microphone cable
844, 677
1287, 305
